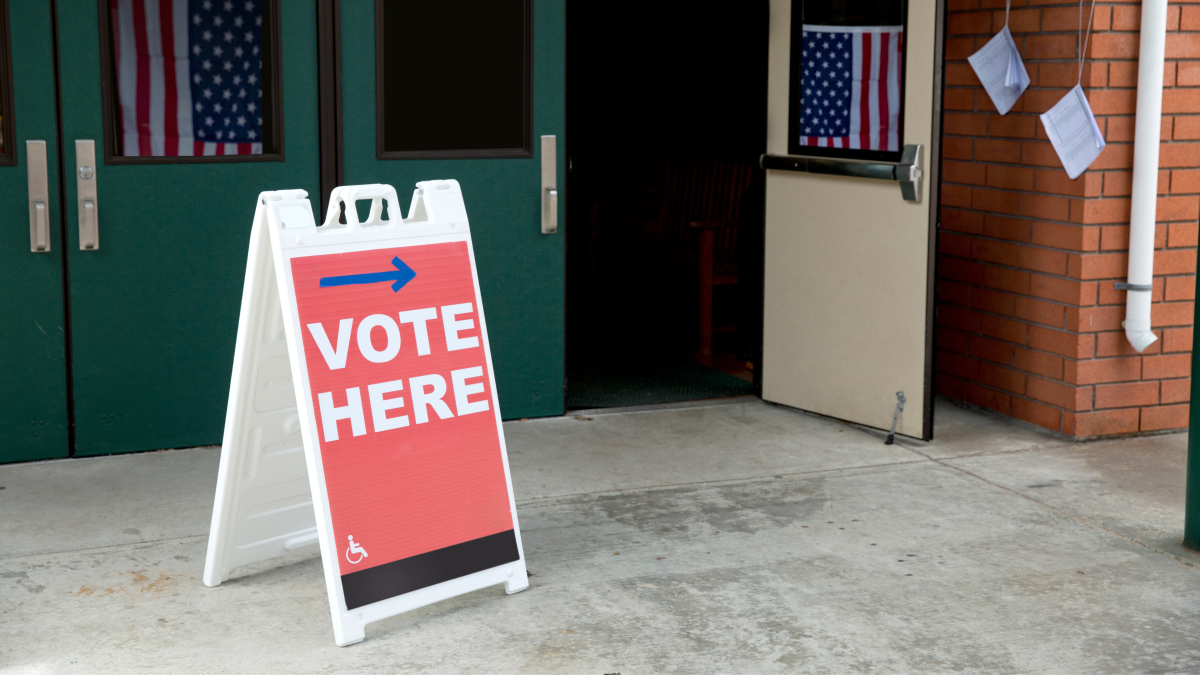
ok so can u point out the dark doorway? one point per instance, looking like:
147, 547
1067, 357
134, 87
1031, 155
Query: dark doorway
666, 119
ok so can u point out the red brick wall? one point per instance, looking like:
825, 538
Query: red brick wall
1029, 323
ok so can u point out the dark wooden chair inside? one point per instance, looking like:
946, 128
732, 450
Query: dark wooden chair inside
698, 228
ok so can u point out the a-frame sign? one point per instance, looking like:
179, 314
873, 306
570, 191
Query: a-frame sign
362, 411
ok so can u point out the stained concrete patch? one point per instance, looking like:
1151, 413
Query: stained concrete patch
1133, 487
566, 455
837, 563
959, 431
20, 579
86, 503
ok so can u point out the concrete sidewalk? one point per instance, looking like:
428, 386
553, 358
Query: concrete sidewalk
729, 537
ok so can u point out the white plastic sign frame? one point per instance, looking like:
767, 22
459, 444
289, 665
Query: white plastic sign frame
271, 494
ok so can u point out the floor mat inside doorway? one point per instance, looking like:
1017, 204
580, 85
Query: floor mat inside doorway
606, 384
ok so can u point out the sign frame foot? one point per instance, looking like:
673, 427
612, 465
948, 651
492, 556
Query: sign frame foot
517, 583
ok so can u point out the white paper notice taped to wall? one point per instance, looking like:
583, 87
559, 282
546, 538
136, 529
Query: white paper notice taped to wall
1073, 131
1000, 68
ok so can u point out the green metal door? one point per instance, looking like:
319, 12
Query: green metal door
33, 399
154, 307
435, 97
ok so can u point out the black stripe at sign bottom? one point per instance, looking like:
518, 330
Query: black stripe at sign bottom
411, 574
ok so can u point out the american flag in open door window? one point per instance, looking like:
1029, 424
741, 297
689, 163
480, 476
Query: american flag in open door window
189, 76
850, 87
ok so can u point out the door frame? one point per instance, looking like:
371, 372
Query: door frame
934, 192
329, 90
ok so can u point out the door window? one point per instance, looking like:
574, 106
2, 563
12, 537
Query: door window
453, 79
847, 79
8, 156
191, 79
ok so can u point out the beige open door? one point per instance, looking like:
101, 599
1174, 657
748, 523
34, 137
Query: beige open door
848, 295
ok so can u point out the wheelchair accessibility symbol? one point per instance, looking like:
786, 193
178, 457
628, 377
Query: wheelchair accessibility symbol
355, 549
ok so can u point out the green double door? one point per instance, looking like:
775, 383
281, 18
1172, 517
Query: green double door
119, 310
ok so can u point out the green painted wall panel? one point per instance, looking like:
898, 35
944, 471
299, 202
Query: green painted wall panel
154, 310
33, 389
521, 270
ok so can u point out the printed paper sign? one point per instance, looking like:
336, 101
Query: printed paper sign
405, 417
363, 413
1001, 71
1073, 132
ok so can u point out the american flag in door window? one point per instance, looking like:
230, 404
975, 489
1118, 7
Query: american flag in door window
189, 76
850, 87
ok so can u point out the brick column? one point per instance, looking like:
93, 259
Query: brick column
1029, 323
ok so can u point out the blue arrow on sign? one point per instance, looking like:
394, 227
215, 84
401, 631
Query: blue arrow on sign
401, 275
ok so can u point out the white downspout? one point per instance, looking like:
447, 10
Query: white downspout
1147, 130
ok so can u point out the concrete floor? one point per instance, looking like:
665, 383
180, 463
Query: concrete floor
738, 537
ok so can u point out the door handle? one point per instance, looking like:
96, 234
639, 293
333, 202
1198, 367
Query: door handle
39, 196
43, 229
549, 185
85, 186
88, 234
550, 211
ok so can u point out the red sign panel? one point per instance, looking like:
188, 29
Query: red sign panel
405, 415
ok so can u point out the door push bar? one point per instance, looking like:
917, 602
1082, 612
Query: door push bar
907, 171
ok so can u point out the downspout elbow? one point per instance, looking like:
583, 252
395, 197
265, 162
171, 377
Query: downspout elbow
1137, 309
1139, 337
